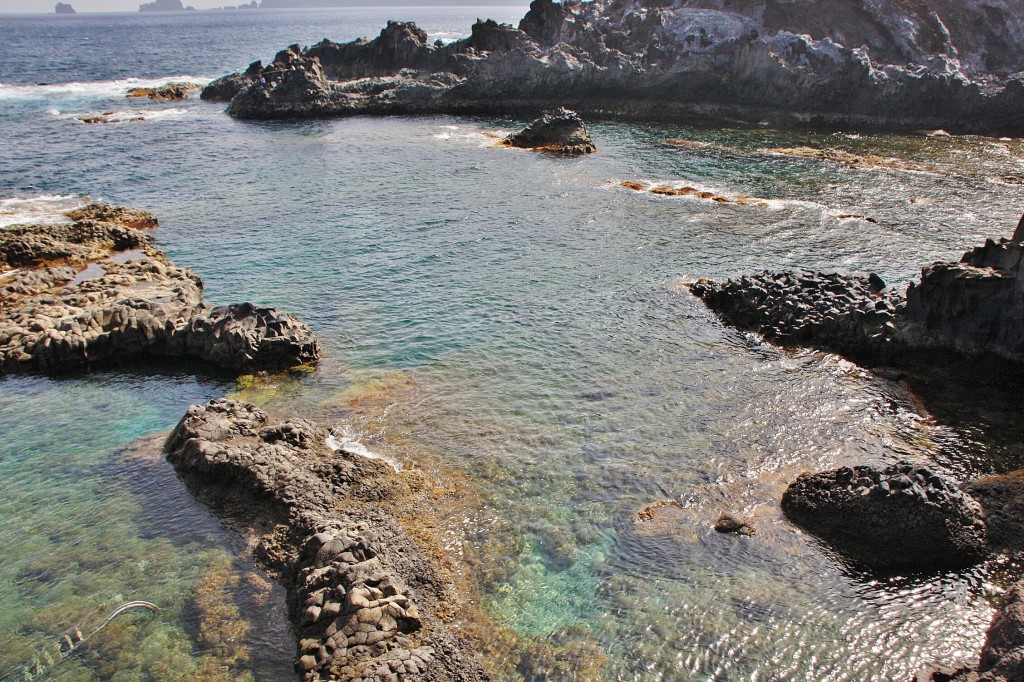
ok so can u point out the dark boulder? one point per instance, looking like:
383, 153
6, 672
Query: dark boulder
225, 88
901, 517
847, 313
557, 132
246, 338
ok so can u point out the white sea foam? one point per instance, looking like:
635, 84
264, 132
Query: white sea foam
125, 115
480, 138
345, 441
726, 197
89, 89
49, 208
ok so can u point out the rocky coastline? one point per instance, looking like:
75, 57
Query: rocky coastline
365, 601
96, 291
973, 308
905, 517
945, 65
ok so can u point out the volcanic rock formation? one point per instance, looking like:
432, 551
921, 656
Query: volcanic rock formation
556, 132
974, 307
96, 290
363, 599
907, 66
167, 91
900, 517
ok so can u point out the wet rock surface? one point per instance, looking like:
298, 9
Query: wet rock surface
168, 91
906, 66
901, 517
96, 290
1002, 499
973, 308
557, 132
734, 523
850, 314
362, 597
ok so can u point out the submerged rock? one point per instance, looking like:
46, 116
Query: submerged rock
557, 132
901, 517
905, 66
363, 599
96, 290
732, 523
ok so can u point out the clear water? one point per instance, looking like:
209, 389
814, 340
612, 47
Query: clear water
514, 317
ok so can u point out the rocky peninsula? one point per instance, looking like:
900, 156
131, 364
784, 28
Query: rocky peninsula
906, 66
365, 601
973, 308
95, 290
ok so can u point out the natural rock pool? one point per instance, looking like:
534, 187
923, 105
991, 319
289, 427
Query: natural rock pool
512, 321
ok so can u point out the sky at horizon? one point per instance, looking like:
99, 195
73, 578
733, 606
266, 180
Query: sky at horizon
83, 6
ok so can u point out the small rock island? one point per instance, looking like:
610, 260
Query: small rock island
162, 6
64, 8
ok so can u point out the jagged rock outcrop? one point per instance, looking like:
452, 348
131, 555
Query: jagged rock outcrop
64, 8
908, 66
973, 308
362, 597
898, 518
226, 87
96, 290
850, 314
976, 305
556, 132
1002, 500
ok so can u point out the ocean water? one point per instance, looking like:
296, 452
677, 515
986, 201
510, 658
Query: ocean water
517, 318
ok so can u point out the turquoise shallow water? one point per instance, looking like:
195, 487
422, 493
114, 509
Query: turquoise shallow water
521, 320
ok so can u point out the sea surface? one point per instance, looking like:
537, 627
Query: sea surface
519, 319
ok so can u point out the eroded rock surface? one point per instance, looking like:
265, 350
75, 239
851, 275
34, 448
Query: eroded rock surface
850, 314
556, 132
362, 597
167, 91
974, 307
899, 517
96, 290
909, 65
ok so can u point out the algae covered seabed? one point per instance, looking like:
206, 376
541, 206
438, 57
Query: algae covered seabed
512, 323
